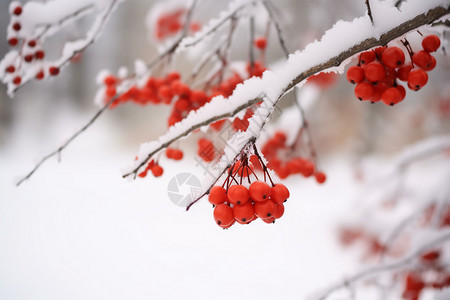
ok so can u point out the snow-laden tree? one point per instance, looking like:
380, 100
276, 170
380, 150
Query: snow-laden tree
230, 99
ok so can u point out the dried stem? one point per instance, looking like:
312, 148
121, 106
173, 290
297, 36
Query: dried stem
369, 11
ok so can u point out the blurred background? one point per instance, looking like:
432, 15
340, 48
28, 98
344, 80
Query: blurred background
76, 230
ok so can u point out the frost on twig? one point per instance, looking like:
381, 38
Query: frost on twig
37, 21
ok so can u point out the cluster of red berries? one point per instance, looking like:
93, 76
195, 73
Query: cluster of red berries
323, 79
154, 167
30, 50
275, 149
377, 71
431, 274
170, 23
234, 202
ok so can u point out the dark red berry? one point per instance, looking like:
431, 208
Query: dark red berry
10, 69
40, 75
32, 43
16, 26
13, 41
53, 71
28, 57
39, 54
17, 10
403, 72
17, 80
367, 57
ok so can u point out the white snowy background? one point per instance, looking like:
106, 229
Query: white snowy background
77, 230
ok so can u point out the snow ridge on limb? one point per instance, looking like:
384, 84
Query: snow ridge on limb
337, 45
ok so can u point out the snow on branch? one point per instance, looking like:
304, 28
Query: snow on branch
38, 21
338, 44
435, 240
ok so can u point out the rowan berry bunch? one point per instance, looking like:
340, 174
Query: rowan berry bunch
378, 71
285, 162
237, 201
29, 53
170, 23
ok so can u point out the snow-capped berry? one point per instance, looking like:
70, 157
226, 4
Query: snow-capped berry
265, 209
238, 194
355, 74
431, 43
10, 69
367, 57
374, 71
393, 57
391, 96
320, 177
13, 41
53, 71
244, 212
422, 59
39, 54
279, 211
17, 10
223, 215
259, 191
403, 72
279, 193
28, 58
217, 195
261, 43
40, 75
364, 91
16, 26
17, 80
417, 78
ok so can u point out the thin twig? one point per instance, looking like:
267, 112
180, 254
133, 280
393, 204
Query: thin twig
251, 48
369, 11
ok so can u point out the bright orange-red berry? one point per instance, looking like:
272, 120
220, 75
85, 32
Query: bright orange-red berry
265, 209
259, 191
217, 195
244, 212
393, 57
238, 194
223, 215
279, 193
431, 43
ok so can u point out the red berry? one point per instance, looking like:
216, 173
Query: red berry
17, 10
217, 195
308, 168
32, 43
374, 71
364, 91
169, 152
379, 52
238, 194
39, 54
431, 256
28, 57
157, 171
13, 41
40, 75
393, 57
266, 209
53, 71
165, 93
223, 215
431, 65
355, 74
16, 26
177, 154
417, 78
378, 91
261, 43
17, 80
279, 193
367, 57
391, 96
320, 177
10, 69
198, 97
269, 220
279, 211
431, 43
172, 76
244, 212
259, 191
422, 59
402, 91
403, 72
110, 80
